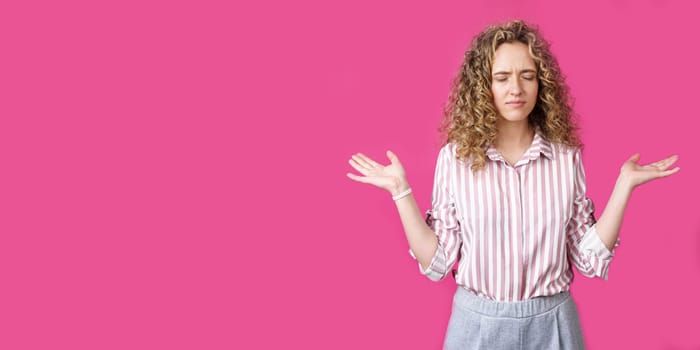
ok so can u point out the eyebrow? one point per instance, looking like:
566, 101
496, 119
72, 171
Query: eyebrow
522, 71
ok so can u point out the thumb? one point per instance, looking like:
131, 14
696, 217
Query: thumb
634, 158
392, 157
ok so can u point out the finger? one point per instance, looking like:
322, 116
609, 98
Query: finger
371, 180
670, 160
659, 174
369, 160
669, 172
358, 160
357, 178
667, 163
362, 161
653, 165
359, 167
664, 163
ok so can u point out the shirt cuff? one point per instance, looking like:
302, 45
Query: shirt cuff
435, 270
596, 255
591, 243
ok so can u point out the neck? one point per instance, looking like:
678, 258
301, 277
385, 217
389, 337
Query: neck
514, 135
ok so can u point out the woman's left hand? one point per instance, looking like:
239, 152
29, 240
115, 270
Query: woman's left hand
635, 174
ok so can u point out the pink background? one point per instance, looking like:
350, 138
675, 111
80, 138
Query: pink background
173, 173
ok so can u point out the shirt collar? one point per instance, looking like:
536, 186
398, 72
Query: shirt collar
539, 145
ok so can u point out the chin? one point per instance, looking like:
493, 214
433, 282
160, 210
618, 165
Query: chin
515, 118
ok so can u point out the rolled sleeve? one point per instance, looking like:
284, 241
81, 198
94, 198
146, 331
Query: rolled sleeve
442, 220
595, 255
586, 250
437, 263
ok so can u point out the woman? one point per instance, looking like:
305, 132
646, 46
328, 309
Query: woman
509, 199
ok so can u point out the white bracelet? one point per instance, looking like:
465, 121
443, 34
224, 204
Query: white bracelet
401, 195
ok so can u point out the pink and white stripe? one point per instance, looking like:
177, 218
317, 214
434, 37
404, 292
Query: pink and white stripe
515, 229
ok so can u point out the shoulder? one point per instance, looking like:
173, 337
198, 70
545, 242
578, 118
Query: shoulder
448, 155
570, 157
448, 150
563, 151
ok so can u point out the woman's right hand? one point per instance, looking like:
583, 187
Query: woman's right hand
391, 177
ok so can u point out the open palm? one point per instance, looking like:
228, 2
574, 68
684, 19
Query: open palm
638, 174
389, 177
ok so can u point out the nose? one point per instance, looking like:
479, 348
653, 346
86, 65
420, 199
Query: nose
515, 88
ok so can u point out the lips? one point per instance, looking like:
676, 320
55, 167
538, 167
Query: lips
516, 104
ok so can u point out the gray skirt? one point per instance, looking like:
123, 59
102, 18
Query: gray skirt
550, 322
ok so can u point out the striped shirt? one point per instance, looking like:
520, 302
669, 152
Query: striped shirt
516, 230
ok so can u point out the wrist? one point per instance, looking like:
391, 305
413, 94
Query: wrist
401, 195
401, 185
624, 183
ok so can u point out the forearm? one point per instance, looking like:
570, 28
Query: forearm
608, 225
421, 239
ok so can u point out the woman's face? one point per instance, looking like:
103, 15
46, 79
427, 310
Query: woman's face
513, 82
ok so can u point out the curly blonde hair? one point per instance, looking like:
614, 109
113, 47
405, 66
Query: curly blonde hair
470, 114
